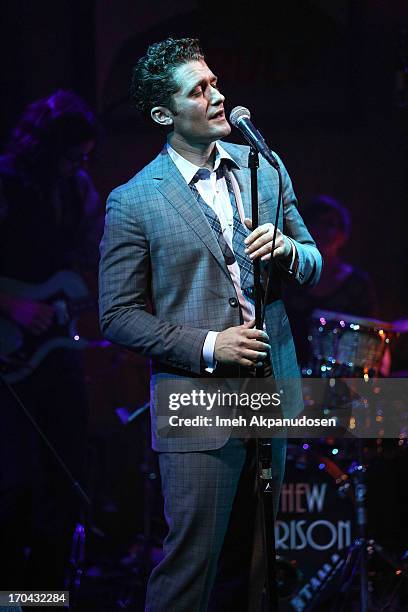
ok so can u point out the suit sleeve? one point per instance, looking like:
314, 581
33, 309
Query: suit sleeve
309, 265
124, 281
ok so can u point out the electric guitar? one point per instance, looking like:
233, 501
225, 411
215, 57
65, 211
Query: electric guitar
21, 352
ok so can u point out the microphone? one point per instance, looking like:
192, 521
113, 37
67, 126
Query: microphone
240, 118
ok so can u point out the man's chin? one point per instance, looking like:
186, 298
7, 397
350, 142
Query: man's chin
223, 130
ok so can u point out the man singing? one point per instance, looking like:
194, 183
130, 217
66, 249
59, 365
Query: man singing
178, 237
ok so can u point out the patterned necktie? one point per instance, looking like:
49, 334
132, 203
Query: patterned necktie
240, 232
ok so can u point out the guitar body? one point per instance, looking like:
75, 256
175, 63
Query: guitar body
22, 352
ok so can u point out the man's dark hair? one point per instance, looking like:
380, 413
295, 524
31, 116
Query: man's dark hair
153, 82
321, 205
46, 129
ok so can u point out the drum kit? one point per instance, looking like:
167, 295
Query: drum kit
329, 561
343, 345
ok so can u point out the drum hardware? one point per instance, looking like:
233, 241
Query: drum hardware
333, 585
400, 571
341, 568
357, 552
361, 552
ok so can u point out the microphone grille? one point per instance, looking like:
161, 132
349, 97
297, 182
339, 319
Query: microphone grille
238, 113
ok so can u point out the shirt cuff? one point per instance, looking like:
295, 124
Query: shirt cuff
208, 351
291, 269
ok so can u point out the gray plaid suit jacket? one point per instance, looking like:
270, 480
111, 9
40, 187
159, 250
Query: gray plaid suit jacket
159, 249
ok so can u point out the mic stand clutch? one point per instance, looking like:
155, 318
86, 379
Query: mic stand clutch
263, 446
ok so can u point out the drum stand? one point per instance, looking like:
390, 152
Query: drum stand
361, 549
356, 559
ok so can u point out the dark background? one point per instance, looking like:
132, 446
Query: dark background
321, 79
325, 83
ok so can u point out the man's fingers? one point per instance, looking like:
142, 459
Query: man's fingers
246, 363
260, 252
256, 345
265, 239
256, 334
259, 231
244, 345
255, 356
279, 251
263, 245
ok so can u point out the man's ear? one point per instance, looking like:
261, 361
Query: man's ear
162, 116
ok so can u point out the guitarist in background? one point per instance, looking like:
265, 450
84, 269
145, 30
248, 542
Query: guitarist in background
50, 220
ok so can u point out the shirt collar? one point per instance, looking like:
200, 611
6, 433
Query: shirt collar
188, 170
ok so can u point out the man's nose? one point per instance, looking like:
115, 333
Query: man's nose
216, 96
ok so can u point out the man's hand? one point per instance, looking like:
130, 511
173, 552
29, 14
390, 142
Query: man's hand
259, 242
36, 317
242, 345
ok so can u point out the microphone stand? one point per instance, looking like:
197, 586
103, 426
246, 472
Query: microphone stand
263, 446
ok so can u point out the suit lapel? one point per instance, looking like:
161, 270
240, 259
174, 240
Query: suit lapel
173, 187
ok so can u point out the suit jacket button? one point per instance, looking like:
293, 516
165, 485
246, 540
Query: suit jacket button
233, 302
